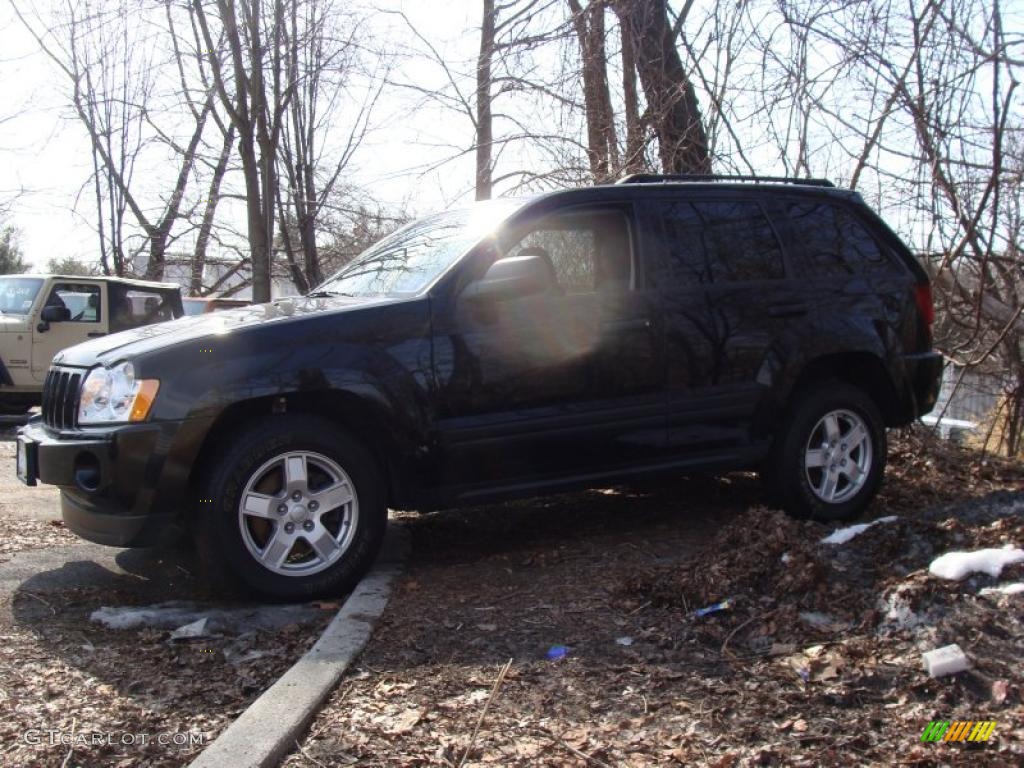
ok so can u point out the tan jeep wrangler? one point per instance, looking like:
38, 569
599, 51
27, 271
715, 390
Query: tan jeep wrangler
43, 314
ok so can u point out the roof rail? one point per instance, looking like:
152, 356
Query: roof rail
657, 178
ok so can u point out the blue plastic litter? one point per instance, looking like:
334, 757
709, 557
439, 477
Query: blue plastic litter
715, 608
557, 652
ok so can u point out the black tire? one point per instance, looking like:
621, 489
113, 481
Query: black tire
219, 530
786, 474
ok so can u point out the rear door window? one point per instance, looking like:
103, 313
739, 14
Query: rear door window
719, 242
132, 307
834, 240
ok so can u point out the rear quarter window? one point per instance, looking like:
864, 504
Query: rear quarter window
835, 241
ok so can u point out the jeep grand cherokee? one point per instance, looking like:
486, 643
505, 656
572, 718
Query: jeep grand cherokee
512, 347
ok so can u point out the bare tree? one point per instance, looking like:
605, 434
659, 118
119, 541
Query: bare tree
916, 105
250, 80
672, 106
110, 75
484, 119
602, 141
325, 45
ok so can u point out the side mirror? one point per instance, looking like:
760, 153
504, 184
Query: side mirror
55, 314
52, 315
511, 278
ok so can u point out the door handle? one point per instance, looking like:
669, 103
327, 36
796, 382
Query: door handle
94, 334
788, 309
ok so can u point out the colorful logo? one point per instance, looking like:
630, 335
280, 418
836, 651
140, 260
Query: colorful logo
958, 730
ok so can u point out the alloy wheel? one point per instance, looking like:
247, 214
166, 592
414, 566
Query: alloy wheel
298, 513
838, 456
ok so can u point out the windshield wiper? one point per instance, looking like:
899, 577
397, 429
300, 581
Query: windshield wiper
327, 294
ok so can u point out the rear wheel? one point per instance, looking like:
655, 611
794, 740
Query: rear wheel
294, 508
828, 459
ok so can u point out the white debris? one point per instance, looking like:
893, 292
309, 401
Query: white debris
843, 535
1004, 589
624, 640
188, 631
823, 621
244, 658
897, 614
786, 557
947, 660
956, 565
232, 620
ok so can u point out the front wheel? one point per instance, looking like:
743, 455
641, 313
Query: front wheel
828, 459
294, 508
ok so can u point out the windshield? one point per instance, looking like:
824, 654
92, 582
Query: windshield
17, 294
406, 262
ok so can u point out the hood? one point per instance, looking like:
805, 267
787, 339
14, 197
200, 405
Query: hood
148, 338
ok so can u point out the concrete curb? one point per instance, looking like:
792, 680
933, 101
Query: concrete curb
267, 730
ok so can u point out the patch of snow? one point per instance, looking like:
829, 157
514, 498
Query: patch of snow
176, 613
1004, 589
956, 565
843, 535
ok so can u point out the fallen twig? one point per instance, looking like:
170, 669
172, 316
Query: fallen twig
731, 634
580, 754
640, 608
34, 596
308, 756
483, 712
71, 749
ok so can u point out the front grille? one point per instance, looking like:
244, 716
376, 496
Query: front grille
60, 398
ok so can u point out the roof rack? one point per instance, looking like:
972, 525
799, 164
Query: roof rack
657, 178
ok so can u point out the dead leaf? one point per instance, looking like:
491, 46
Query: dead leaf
1000, 689
405, 721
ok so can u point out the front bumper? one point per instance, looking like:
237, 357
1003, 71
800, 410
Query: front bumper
114, 483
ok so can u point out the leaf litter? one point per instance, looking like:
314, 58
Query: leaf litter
816, 661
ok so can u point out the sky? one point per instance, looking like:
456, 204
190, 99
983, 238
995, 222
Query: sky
44, 151
45, 154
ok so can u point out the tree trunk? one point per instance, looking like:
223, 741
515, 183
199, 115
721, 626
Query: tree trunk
484, 127
671, 100
602, 142
634, 159
209, 210
294, 269
256, 117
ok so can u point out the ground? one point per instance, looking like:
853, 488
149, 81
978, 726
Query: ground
65, 680
558, 631
562, 631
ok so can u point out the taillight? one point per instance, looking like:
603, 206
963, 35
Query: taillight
925, 307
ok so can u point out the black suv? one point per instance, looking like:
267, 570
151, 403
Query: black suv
513, 347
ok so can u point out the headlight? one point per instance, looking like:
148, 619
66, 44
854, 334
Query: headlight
111, 395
